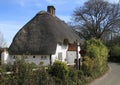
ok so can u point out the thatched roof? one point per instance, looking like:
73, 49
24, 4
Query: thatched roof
41, 35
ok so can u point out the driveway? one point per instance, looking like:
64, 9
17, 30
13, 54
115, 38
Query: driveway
111, 78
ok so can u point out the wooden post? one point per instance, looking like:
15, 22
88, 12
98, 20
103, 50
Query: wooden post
50, 60
77, 59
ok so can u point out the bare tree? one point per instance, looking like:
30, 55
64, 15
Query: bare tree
2, 41
96, 18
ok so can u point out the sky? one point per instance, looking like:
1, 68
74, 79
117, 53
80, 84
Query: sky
14, 14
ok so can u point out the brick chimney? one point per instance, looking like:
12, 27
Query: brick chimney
51, 10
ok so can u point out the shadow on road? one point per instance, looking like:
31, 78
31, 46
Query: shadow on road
118, 63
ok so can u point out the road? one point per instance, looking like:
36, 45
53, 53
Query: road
111, 78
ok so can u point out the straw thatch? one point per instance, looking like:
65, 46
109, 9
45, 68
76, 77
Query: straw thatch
41, 35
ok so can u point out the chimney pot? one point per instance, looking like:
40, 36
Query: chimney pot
51, 10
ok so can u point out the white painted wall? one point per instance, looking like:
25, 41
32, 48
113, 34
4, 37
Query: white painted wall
30, 59
71, 56
5, 59
60, 49
66, 56
39, 58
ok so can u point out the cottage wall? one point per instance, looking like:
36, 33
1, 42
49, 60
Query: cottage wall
60, 53
71, 56
5, 57
37, 59
45, 59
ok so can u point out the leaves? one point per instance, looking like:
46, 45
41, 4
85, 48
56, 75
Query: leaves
98, 52
59, 69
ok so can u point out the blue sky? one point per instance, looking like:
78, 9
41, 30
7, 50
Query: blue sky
14, 14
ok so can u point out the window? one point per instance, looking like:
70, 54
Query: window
43, 57
33, 56
60, 56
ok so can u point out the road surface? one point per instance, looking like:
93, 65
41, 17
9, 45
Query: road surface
111, 78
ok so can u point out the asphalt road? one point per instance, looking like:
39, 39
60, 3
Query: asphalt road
111, 78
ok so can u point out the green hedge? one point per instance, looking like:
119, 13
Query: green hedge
59, 69
98, 52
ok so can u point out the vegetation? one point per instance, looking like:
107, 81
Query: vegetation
115, 53
97, 19
88, 66
113, 41
114, 48
22, 73
59, 69
95, 60
98, 51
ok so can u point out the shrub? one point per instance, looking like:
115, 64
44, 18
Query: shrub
73, 74
115, 53
59, 69
22, 71
97, 50
41, 77
88, 66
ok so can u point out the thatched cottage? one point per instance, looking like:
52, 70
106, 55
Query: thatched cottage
45, 38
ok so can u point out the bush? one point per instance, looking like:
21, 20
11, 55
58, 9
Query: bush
88, 66
22, 71
97, 51
73, 74
41, 77
59, 69
115, 53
